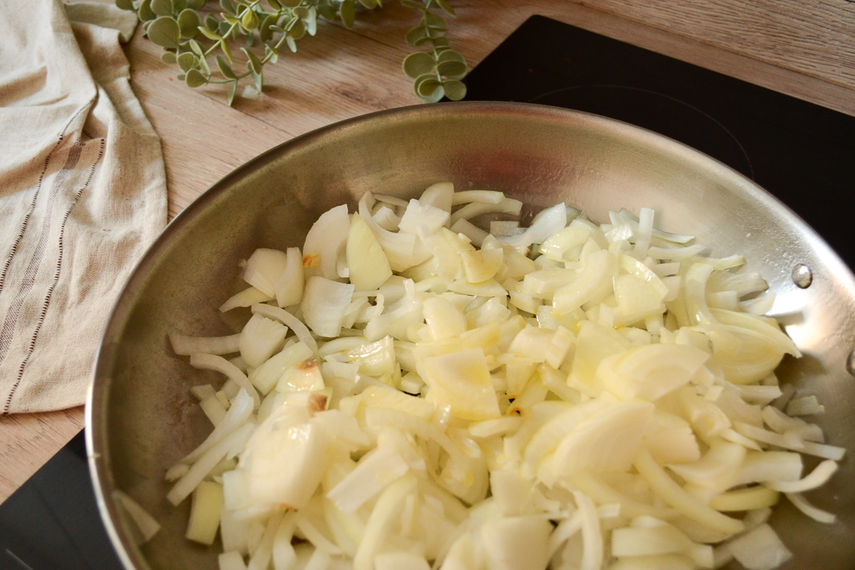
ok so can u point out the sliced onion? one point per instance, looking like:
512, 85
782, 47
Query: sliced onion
325, 242
290, 320
187, 345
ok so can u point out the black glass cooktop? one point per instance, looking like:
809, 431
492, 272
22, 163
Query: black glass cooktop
798, 151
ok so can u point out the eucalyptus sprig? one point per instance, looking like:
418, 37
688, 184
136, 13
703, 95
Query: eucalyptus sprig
199, 39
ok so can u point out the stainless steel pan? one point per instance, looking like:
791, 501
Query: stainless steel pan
141, 418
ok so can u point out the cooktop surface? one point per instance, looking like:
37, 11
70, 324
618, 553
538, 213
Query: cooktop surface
798, 151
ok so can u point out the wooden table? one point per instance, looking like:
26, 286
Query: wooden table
804, 48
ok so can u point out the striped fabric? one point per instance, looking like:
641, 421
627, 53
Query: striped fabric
82, 194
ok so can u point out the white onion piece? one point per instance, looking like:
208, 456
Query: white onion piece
380, 520
504, 206
219, 364
263, 553
263, 269
485, 196
813, 512
260, 338
367, 263
143, 521
231, 560
325, 241
675, 496
440, 195
544, 224
818, 477
245, 298
187, 345
402, 250
759, 549
230, 444
291, 321
374, 472
289, 285
418, 213
475, 234
324, 304
205, 512
516, 542
236, 416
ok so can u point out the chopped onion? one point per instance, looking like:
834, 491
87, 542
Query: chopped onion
759, 549
187, 345
144, 523
325, 242
563, 394
263, 269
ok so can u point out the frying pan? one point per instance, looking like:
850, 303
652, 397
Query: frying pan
141, 417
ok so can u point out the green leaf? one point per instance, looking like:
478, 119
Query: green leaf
196, 48
454, 89
258, 79
265, 32
194, 79
196, 4
145, 13
228, 7
168, 57
274, 5
225, 47
224, 27
312, 21
271, 54
290, 3
210, 34
125, 4
300, 12
298, 30
292, 45
211, 22
446, 7
450, 55
422, 78
229, 19
162, 7
178, 6
327, 11
451, 69
203, 65
347, 11
232, 91
428, 87
434, 21
164, 32
369, 4
225, 68
430, 91
253, 64
187, 61
415, 36
249, 20
418, 63
188, 23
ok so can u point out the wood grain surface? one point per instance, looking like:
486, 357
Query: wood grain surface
803, 48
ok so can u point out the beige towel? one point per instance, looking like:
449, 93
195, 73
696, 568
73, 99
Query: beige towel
82, 194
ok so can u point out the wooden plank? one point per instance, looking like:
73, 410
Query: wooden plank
27, 441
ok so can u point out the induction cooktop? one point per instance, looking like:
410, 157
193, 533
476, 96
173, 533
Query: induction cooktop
798, 151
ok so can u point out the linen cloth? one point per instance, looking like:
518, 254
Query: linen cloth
82, 193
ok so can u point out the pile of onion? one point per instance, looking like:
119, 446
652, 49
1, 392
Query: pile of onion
413, 391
